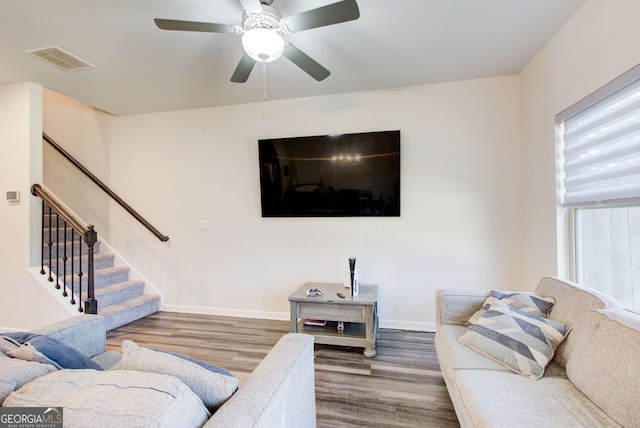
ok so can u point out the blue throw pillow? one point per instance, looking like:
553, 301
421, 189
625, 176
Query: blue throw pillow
203, 364
19, 336
47, 350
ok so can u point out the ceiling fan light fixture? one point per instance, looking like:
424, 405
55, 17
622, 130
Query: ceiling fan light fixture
263, 44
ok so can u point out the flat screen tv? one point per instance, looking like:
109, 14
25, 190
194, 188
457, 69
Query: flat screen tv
347, 175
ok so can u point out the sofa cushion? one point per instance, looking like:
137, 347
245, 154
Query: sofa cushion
572, 303
86, 333
14, 373
455, 306
213, 387
523, 342
460, 356
113, 399
527, 302
110, 360
502, 399
604, 363
47, 350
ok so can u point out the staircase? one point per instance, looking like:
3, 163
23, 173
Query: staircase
118, 297
121, 299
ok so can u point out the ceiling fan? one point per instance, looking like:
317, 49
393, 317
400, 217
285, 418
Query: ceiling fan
263, 28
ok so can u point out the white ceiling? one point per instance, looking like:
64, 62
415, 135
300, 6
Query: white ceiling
140, 69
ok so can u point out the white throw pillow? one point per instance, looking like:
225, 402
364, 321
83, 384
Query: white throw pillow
213, 388
98, 399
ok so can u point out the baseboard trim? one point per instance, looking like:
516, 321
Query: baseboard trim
408, 325
226, 312
284, 316
54, 295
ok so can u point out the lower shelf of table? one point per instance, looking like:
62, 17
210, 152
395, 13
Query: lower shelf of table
354, 334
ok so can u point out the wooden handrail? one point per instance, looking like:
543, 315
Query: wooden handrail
105, 188
79, 226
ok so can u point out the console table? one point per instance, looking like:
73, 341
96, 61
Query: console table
359, 314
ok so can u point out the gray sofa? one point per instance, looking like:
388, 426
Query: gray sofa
592, 381
279, 393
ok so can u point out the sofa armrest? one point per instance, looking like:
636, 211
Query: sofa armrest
279, 393
85, 333
455, 306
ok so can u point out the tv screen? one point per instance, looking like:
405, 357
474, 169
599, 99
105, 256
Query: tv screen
331, 175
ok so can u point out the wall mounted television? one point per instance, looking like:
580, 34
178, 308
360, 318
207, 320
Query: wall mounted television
346, 175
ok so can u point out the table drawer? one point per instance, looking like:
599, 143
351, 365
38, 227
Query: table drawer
332, 311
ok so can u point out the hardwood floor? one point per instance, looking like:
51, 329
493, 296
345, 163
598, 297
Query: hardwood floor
401, 387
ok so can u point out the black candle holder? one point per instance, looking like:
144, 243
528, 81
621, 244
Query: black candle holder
352, 272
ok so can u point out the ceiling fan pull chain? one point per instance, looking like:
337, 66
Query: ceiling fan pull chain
264, 81
264, 86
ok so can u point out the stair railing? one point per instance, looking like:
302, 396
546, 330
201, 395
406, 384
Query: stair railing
60, 231
105, 188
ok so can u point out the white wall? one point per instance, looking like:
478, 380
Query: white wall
478, 182
599, 43
21, 306
461, 201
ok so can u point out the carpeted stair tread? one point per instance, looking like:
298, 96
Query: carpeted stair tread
130, 310
59, 233
54, 250
103, 277
119, 292
108, 276
100, 261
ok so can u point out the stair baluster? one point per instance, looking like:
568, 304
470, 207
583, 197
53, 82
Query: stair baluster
73, 294
80, 275
50, 245
57, 251
42, 272
64, 266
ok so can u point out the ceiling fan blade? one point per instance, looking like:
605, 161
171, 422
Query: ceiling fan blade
305, 62
206, 27
252, 6
243, 70
342, 11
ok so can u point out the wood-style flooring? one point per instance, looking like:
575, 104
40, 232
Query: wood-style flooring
401, 387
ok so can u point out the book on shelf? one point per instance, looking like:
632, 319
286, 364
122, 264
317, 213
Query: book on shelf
319, 323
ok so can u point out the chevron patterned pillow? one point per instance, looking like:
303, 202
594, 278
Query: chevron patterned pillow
523, 342
527, 302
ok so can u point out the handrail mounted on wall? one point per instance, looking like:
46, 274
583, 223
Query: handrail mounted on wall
105, 188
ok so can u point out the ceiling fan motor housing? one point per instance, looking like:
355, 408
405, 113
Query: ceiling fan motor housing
269, 19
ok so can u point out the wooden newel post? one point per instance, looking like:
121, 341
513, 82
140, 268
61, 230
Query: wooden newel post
91, 304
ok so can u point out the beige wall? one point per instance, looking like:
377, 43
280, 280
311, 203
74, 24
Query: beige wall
21, 305
599, 43
461, 203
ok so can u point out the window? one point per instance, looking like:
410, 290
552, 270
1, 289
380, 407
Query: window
600, 186
607, 251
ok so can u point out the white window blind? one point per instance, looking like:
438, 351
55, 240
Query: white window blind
601, 146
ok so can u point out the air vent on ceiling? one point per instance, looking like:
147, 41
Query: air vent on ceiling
60, 58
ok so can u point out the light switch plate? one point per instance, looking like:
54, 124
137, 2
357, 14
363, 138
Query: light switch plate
13, 196
205, 225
